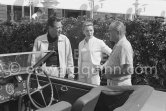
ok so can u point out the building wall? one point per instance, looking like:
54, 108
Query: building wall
3, 12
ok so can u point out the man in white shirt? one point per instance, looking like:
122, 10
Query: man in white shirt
119, 66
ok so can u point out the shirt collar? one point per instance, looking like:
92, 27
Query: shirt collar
122, 39
50, 39
89, 39
60, 38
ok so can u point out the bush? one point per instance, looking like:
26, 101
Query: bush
148, 39
19, 36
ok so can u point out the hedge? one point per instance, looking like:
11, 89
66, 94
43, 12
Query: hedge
147, 37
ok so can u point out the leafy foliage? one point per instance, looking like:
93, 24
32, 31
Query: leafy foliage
148, 39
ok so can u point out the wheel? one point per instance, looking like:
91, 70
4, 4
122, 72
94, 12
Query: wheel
40, 91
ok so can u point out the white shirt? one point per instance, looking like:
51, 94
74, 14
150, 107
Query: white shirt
122, 54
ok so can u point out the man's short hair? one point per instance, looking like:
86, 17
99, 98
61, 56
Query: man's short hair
87, 23
53, 19
118, 26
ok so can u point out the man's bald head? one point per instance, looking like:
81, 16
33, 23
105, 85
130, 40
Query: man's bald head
118, 26
117, 30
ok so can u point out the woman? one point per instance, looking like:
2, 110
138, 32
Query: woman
90, 55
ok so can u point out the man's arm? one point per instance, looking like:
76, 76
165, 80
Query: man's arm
70, 63
79, 58
33, 56
117, 72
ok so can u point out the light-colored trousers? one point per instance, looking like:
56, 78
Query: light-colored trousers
89, 74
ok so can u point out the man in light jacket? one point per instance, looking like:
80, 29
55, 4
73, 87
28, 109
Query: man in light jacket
61, 62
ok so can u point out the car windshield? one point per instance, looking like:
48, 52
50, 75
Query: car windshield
15, 63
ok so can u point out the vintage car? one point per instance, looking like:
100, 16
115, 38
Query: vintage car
28, 88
